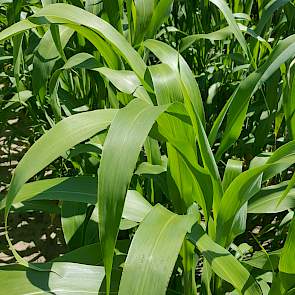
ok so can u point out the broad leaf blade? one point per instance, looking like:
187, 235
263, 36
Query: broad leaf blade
121, 149
64, 278
82, 189
153, 252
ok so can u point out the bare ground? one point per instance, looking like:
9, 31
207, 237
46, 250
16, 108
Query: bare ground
37, 236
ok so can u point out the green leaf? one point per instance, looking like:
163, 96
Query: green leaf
153, 252
287, 260
160, 13
125, 81
19, 98
54, 143
73, 215
266, 200
291, 184
175, 127
166, 84
283, 283
113, 10
173, 59
186, 184
74, 189
261, 260
222, 5
246, 185
77, 18
148, 168
223, 263
17, 58
93, 6
232, 170
107, 52
219, 35
241, 97
142, 15
64, 278
267, 13
45, 58
82, 189
289, 100
125, 138
136, 207
54, 29
47, 2
194, 108
49, 147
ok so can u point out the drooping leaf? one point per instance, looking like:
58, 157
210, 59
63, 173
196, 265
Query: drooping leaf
56, 141
213, 36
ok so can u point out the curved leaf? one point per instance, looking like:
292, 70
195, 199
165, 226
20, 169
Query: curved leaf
213, 36
49, 147
56, 141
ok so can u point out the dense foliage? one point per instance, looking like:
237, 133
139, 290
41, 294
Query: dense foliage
168, 128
